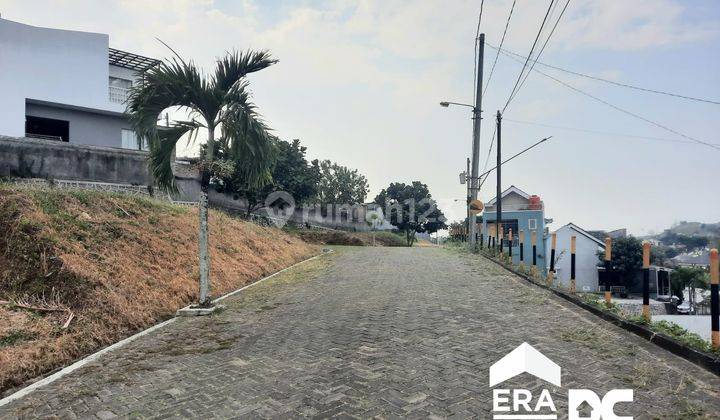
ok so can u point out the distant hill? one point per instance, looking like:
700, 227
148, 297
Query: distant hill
695, 229
686, 237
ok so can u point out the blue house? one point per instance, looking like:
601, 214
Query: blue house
520, 212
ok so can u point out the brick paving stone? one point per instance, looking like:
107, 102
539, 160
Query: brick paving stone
372, 332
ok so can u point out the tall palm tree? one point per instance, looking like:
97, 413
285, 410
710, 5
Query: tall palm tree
217, 103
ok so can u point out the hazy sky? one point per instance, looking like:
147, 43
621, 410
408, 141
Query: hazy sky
359, 82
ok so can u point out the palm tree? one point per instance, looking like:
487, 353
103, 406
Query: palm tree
219, 104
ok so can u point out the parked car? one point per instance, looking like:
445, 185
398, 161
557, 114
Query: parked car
684, 308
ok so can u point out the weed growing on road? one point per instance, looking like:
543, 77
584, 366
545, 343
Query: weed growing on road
593, 338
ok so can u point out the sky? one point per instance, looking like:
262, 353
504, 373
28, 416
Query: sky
359, 82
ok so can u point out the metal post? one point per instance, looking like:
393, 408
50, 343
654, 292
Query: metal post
498, 187
572, 264
646, 281
714, 299
522, 248
608, 267
477, 110
551, 273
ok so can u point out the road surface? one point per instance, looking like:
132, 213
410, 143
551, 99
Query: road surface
364, 332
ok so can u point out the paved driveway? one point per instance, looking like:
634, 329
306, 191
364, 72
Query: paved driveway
365, 332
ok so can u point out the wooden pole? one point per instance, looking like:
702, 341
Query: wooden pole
714, 299
646, 281
572, 263
608, 266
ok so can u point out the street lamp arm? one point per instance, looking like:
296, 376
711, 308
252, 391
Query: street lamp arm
448, 103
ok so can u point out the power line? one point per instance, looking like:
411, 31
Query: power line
512, 92
477, 35
625, 111
537, 57
601, 132
507, 23
600, 79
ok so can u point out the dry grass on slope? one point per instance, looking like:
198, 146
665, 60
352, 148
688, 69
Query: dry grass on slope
119, 263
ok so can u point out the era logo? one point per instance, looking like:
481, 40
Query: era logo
518, 403
601, 409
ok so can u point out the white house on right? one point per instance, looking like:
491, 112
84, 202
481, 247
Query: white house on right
586, 259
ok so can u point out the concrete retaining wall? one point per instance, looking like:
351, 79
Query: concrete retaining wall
24, 157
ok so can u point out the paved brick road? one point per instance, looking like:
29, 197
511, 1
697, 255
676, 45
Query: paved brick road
372, 332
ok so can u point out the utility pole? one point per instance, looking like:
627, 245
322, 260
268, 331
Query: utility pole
477, 110
498, 199
467, 202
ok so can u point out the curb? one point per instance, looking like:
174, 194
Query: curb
702, 359
92, 357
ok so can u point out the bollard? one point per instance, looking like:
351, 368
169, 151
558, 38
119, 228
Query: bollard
533, 241
572, 263
646, 281
551, 273
714, 298
510, 239
482, 232
608, 266
500, 238
522, 248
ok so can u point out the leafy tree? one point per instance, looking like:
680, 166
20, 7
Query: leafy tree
411, 209
626, 258
688, 277
218, 104
341, 185
291, 172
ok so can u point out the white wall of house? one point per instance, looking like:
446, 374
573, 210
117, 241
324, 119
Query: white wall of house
586, 260
67, 67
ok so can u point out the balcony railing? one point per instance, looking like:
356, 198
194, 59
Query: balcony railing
118, 95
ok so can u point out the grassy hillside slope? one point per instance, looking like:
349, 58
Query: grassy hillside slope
117, 263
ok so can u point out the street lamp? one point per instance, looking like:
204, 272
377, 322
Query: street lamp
446, 104
471, 176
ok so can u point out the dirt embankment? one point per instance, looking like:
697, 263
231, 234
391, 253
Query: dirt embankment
117, 263
338, 237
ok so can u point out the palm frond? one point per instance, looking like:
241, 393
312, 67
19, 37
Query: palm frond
234, 66
162, 146
248, 137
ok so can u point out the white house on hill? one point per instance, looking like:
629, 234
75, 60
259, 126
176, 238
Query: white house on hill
67, 86
586, 259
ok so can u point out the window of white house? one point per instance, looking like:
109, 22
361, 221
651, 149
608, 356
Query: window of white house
532, 224
129, 140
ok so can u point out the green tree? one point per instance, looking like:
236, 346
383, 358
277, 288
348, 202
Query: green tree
291, 172
217, 104
626, 258
341, 185
688, 277
411, 209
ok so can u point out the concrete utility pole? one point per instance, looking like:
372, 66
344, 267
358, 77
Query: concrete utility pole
467, 202
477, 110
498, 189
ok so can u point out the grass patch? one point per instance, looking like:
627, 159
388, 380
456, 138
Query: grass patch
120, 263
15, 337
593, 338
